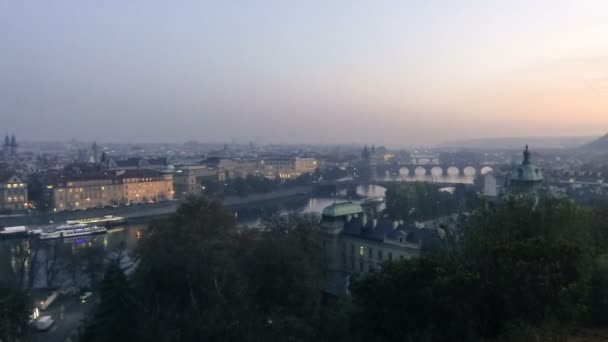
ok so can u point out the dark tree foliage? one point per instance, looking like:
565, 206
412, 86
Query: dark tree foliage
284, 274
15, 308
515, 266
201, 279
188, 282
115, 319
419, 201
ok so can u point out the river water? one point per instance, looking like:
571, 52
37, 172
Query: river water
65, 263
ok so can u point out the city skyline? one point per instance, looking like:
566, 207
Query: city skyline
396, 73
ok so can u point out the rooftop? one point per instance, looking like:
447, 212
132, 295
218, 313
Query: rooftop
342, 209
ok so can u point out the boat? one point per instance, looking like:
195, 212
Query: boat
13, 232
72, 230
108, 220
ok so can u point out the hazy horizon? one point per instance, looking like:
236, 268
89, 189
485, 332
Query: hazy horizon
399, 73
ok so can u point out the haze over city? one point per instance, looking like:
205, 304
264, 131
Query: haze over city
391, 72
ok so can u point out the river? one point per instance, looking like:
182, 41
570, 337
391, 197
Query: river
65, 263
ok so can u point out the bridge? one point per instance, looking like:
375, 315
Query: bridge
438, 169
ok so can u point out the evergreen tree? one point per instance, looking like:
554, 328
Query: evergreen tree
115, 318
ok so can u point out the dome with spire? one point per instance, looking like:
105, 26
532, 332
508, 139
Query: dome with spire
526, 177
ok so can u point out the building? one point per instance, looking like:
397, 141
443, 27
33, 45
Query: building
109, 188
144, 186
190, 179
13, 193
287, 167
526, 178
356, 245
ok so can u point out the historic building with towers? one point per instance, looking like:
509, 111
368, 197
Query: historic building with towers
355, 245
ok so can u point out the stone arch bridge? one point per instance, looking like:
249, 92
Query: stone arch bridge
437, 169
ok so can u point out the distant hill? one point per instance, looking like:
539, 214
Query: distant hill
519, 142
600, 144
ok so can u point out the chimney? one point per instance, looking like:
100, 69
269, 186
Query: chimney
401, 222
364, 220
395, 224
374, 223
348, 218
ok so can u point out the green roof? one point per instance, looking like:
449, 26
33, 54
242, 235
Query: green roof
342, 209
527, 172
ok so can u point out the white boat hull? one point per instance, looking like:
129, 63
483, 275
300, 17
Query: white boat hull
68, 233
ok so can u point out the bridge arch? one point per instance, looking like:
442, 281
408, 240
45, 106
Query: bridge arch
486, 169
436, 171
404, 171
420, 171
453, 171
469, 171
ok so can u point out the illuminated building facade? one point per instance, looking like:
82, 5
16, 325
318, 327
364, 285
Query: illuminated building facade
287, 167
13, 193
94, 190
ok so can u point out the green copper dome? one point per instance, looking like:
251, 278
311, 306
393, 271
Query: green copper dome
526, 171
342, 209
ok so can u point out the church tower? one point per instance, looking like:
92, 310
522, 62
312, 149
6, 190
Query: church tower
526, 178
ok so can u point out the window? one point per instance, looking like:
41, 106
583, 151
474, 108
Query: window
352, 249
371, 253
390, 256
361, 251
360, 267
400, 240
379, 254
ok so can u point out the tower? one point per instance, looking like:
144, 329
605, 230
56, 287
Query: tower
7, 145
526, 178
333, 219
94, 151
13, 145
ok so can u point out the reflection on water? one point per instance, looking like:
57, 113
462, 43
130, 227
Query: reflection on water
66, 262
432, 178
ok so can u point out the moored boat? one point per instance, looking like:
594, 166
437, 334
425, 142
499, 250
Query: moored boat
72, 230
13, 232
108, 220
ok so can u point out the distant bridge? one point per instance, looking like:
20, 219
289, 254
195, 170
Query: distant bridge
441, 169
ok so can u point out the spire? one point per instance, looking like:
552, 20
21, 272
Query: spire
365, 153
526, 156
13, 145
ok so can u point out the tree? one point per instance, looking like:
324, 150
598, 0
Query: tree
14, 311
187, 281
115, 318
284, 273
519, 267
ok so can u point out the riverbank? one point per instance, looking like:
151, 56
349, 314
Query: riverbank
146, 212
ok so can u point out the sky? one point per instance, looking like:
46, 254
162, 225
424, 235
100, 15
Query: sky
397, 73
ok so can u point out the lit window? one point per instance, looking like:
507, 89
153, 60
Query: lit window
361, 251
371, 253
